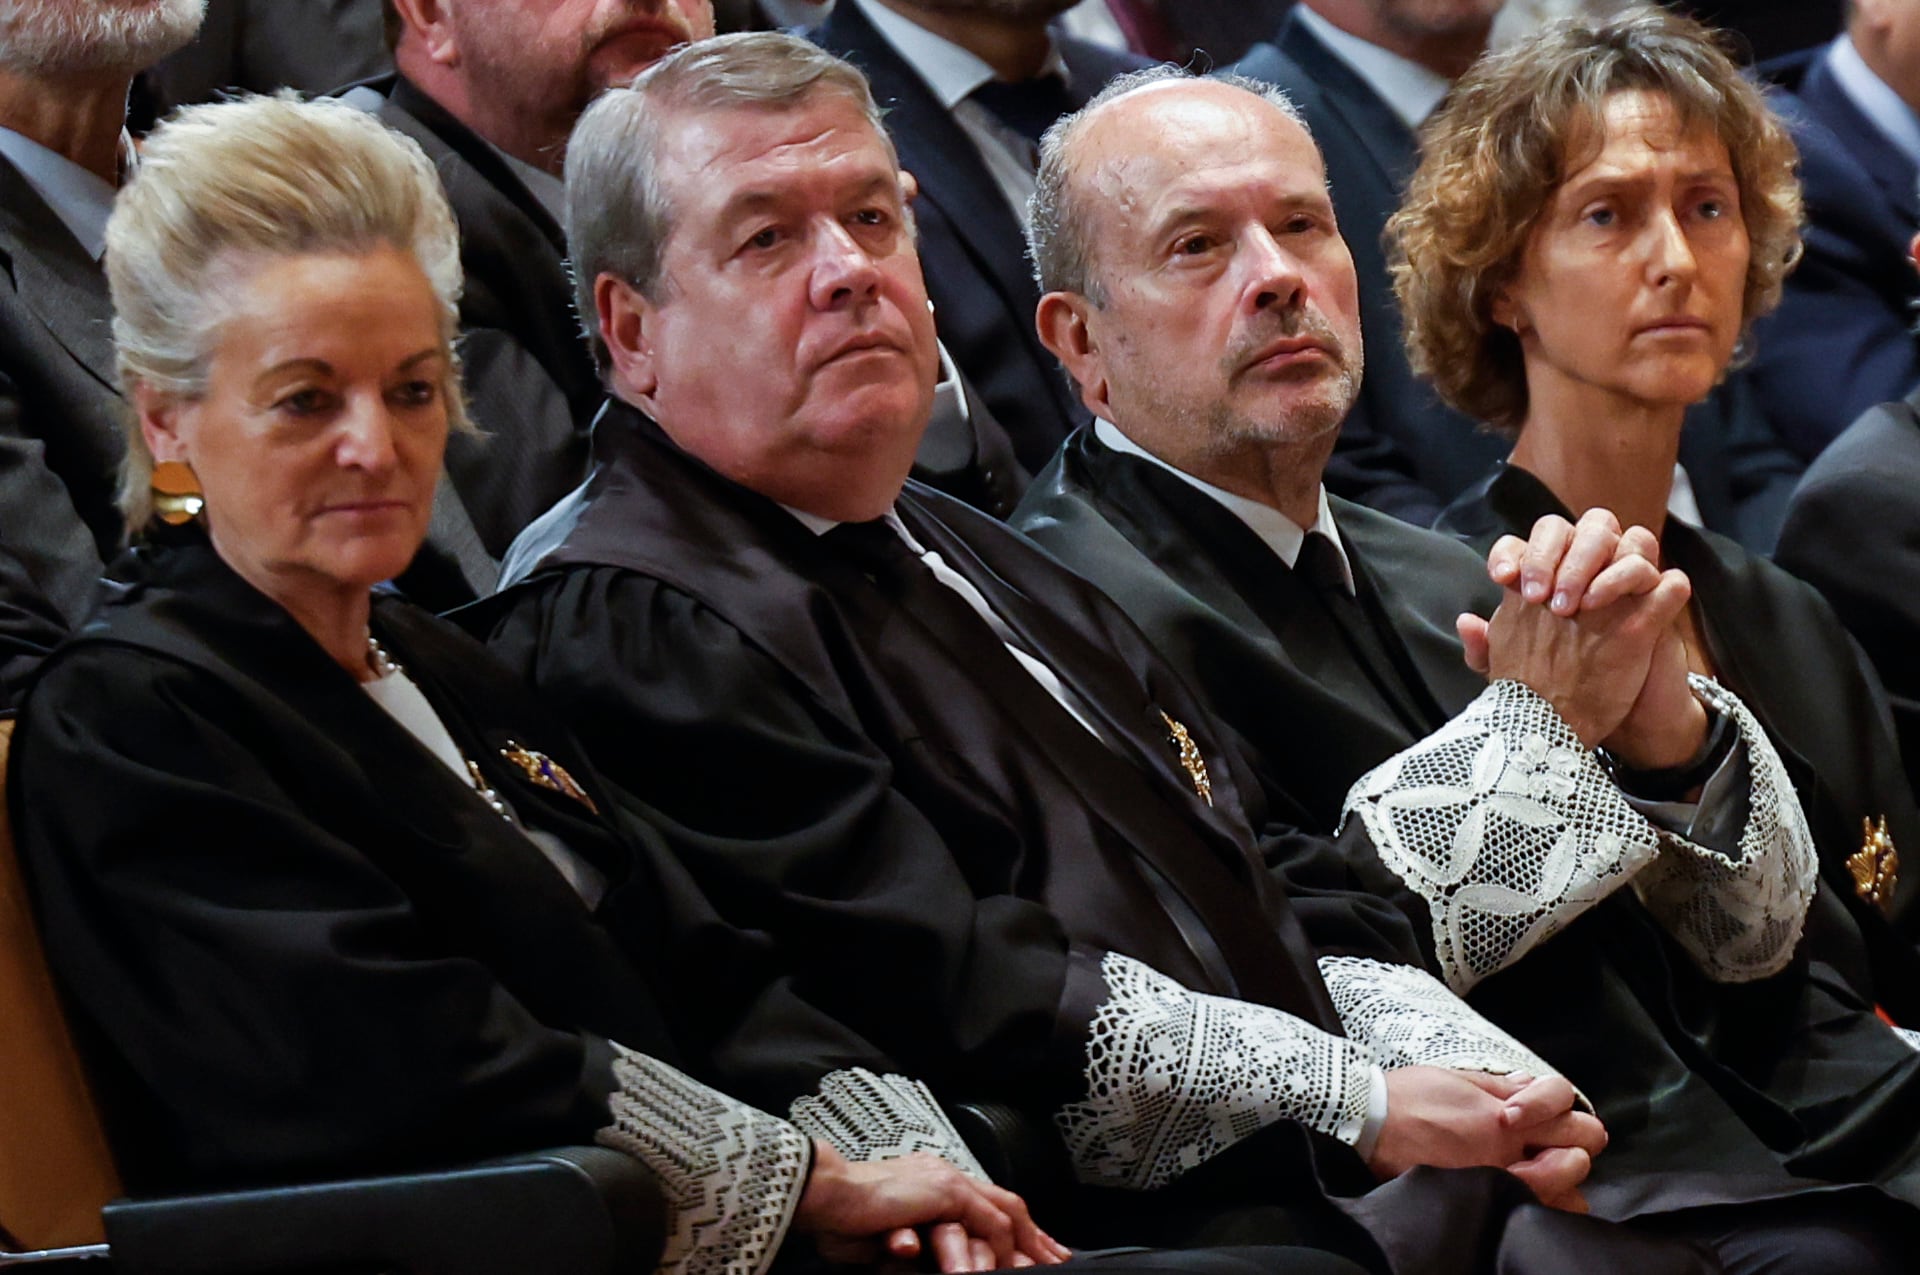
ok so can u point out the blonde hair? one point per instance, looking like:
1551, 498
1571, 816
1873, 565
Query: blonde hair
257, 176
1516, 125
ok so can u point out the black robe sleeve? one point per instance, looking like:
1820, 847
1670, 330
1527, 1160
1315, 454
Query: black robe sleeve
270, 1003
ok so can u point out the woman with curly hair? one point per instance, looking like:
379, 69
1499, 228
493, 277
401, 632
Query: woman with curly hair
1600, 214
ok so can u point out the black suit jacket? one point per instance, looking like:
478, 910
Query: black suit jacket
1741, 474
530, 381
1853, 531
61, 438
1842, 339
1702, 1108
972, 246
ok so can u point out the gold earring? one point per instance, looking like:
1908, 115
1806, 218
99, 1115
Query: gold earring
177, 499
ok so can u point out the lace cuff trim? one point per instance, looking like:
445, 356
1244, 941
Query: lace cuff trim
1175, 1077
1408, 1018
732, 1174
1505, 825
1739, 918
865, 1116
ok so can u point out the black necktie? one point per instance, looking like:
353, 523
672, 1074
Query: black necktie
1366, 634
1028, 107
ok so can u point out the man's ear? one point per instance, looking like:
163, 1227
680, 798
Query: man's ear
626, 326
159, 415
1913, 252
1065, 322
431, 24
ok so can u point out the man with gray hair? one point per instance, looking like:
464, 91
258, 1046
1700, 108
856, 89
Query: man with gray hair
1198, 288
65, 69
985, 828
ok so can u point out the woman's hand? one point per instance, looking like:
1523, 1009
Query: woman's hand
862, 1212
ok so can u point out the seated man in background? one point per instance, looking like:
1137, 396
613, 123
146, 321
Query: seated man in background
64, 77
989, 830
1853, 532
1200, 292
1842, 339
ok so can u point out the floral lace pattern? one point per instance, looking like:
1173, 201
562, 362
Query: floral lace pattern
1175, 1077
1505, 825
732, 1174
1739, 918
1408, 1018
865, 1116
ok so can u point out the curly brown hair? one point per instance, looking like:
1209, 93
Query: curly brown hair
1514, 127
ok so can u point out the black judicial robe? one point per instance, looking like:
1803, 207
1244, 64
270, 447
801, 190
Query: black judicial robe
942, 871
1779, 646
1713, 1093
812, 755
293, 942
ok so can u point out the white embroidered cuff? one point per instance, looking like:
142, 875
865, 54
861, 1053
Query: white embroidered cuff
1505, 825
865, 1116
732, 1174
1408, 1018
1175, 1077
1739, 917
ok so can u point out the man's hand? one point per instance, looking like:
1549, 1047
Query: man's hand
1456, 1119
859, 1213
1589, 650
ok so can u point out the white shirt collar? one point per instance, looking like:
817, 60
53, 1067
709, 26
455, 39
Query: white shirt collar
1883, 107
949, 70
1412, 91
80, 199
1277, 531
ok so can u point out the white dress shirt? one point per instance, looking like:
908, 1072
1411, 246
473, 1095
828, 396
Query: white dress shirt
1412, 91
1277, 531
1885, 109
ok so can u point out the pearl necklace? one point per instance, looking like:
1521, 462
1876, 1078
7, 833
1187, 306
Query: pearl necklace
384, 665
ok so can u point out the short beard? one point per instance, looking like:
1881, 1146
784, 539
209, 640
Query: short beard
51, 40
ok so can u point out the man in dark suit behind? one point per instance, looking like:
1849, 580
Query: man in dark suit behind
1842, 339
1366, 74
968, 86
63, 92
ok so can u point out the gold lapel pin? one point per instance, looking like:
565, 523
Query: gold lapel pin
1876, 864
1190, 759
544, 771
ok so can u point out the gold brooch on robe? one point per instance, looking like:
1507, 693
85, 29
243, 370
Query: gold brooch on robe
547, 773
1190, 759
1876, 864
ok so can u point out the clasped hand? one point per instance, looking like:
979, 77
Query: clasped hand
1459, 1119
1589, 622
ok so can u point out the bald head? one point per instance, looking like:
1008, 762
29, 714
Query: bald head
1196, 284
1102, 151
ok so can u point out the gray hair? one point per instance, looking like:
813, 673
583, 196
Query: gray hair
1059, 239
619, 217
259, 176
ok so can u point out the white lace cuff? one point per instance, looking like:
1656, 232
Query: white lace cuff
1408, 1018
1175, 1077
865, 1116
1505, 825
1739, 918
732, 1174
